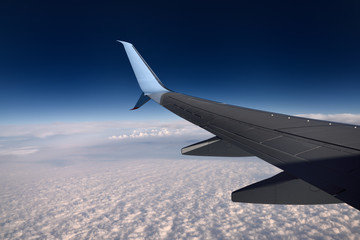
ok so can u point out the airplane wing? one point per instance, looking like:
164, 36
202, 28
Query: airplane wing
320, 159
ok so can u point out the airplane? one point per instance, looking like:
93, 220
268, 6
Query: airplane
320, 159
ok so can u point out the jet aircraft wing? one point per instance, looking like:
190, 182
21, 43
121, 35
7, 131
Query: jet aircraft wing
320, 159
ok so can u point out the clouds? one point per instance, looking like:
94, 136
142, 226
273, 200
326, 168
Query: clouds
19, 151
76, 183
158, 199
47, 130
136, 128
161, 132
343, 117
124, 130
47, 141
50, 141
153, 132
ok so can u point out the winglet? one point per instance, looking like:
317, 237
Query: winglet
147, 79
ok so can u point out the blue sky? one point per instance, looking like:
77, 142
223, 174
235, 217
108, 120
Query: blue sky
60, 61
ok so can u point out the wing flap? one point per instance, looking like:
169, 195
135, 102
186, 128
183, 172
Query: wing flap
214, 147
282, 189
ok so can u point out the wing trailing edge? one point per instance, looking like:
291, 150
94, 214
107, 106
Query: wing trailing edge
214, 147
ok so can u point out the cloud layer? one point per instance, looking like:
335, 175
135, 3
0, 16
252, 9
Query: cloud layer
50, 140
79, 183
157, 199
19, 151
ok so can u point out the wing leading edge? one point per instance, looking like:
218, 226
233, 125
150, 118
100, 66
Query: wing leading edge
320, 160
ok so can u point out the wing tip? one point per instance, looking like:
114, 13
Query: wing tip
124, 43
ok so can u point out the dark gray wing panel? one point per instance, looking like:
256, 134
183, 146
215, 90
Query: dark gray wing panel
325, 131
282, 189
322, 154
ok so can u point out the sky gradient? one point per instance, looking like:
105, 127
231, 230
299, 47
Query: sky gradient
61, 62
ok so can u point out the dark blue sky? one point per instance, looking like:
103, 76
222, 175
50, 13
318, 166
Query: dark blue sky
60, 61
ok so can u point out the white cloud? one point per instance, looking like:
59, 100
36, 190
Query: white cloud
161, 132
122, 130
157, 199
19, 151
80, 139
126, 189
342, 117
47, 130
84, 186
53, 129
147, 132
